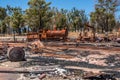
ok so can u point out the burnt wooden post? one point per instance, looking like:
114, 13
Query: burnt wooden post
14, 35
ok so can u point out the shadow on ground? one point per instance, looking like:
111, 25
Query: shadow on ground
112, 61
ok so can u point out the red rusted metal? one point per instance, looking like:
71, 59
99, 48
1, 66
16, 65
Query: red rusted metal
42, 76
56, 33
32, 35
48, 34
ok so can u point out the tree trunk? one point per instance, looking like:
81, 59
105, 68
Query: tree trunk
19, 31
16, 54
14, 35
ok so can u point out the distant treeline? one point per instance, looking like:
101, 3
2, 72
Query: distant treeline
40, 15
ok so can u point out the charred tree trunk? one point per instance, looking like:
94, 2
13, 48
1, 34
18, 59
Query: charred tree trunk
16, 54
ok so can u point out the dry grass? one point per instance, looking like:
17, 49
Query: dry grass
73, 34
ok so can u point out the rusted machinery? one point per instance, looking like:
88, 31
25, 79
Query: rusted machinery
48, 35
88, 34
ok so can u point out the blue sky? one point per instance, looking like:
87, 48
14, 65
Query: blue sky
87, 5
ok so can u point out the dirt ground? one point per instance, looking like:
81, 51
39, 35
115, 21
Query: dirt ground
76, 60
85, 59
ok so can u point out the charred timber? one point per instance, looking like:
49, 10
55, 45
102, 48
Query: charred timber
16, 54
99, 76
21, 72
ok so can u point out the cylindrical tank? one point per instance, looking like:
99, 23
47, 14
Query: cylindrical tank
57, 33
16, 54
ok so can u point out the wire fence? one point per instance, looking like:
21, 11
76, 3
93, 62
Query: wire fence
10, 35
13, 37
